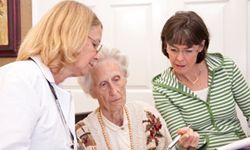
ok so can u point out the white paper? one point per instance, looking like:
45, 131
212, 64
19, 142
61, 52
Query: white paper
236, 145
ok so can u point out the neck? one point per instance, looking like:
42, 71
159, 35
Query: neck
60, 76
104, 132
191, 77
115, 116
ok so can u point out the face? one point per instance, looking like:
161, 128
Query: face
88, 54
109, 85
182, 57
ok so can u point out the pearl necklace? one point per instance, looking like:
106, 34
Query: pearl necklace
104, 132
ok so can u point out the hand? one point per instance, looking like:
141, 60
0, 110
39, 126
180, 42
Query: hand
247, 147
189, 139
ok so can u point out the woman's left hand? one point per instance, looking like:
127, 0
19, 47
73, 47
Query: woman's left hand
189, 139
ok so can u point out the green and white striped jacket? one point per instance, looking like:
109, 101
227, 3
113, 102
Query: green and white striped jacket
215, 118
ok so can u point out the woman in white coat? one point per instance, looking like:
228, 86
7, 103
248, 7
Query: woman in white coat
35, 111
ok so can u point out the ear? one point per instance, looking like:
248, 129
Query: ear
92, 93
201, 46
125, 75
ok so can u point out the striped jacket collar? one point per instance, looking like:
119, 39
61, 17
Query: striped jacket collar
168, 80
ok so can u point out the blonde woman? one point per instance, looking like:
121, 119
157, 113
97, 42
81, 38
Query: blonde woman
36, 112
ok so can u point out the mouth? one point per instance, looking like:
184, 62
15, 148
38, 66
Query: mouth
92, 64
179, 66
115, 100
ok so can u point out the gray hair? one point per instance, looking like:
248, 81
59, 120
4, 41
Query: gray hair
86, 81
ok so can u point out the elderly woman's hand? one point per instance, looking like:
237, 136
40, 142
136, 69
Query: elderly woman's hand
189, 139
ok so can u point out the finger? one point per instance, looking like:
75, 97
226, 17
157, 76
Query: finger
182, 131
195, 140
185, 140
191, 148
189, 139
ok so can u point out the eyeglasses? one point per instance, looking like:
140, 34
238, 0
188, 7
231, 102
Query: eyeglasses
187, 52
97, 45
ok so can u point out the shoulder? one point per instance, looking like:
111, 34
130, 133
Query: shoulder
217, 61
83, 132
219, 58
20, 69
163, 78
144, 108
83, 125
162, 74
22, 76
139, 105
81, 128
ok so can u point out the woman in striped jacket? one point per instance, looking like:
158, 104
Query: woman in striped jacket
199, 88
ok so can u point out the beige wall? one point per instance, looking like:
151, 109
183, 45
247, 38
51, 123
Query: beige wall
26, 21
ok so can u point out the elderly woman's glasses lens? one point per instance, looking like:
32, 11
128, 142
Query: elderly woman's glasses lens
97, 45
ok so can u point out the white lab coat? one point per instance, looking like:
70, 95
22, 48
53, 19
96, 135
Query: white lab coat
28, 113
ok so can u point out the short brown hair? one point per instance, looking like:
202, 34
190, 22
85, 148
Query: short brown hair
185, 28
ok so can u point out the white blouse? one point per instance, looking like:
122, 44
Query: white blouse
119, 136
202, 94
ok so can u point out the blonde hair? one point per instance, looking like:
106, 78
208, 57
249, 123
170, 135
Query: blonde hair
59, 35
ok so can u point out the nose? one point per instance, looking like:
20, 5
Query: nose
97, 56
112, 90
180, 56
94, 60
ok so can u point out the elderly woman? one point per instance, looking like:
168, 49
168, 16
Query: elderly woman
115, 124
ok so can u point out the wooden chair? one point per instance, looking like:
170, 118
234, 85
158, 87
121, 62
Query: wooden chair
80, 116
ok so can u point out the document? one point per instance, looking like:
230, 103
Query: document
243, 144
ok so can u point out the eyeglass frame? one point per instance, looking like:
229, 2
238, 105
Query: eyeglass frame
98, 46
186, 51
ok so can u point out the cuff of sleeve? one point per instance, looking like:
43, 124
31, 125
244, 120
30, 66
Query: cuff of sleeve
178, 147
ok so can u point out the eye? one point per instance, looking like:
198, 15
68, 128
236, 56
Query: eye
94, 45
116, 78
173, 49
189, 50
94, 42
103, 85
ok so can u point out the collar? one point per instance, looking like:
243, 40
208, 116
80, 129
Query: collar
113, 126
168, 80
214, 61
44, 69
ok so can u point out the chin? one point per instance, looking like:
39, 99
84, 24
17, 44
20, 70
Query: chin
83, 73
118, 104
180, 70
118, 107
76, 75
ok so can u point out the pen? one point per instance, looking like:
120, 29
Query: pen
172, 144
